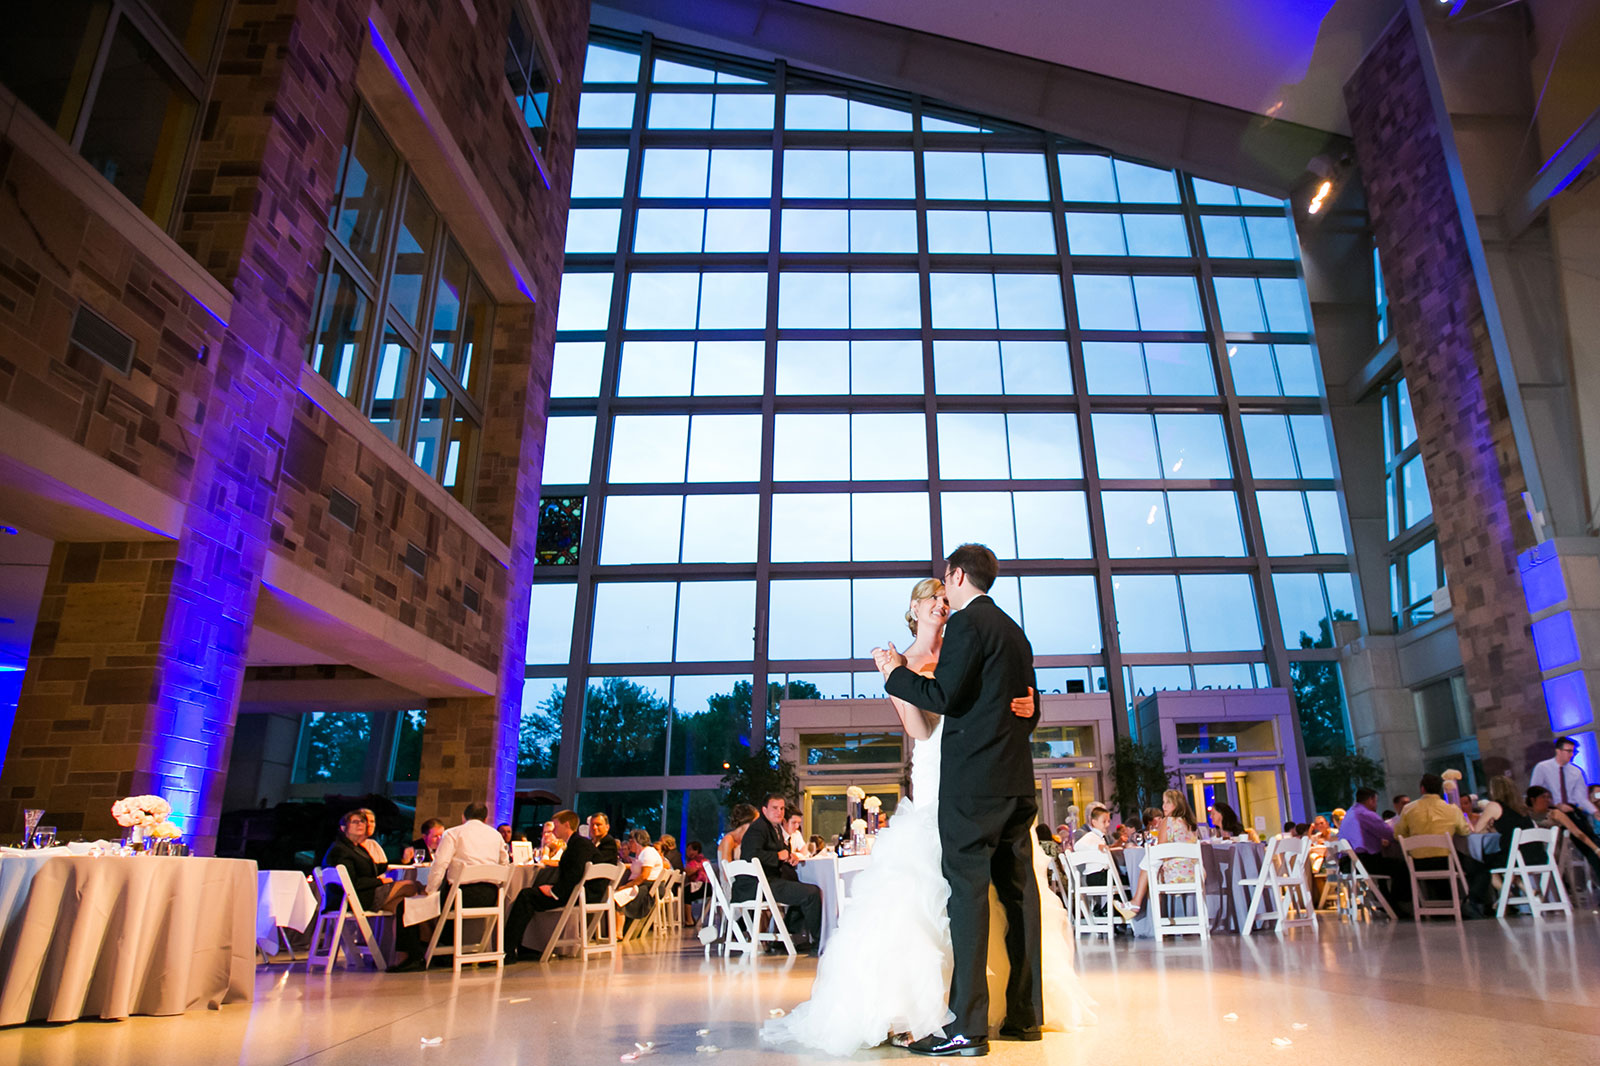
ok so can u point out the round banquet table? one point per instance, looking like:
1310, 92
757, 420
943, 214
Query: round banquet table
827, 872
108, 936
284, 901
1227, 901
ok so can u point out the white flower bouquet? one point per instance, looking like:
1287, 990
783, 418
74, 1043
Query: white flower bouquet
854, 792
873, 803
858, 826
144, 812
166, 831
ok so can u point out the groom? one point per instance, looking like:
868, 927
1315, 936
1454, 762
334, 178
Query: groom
986, 800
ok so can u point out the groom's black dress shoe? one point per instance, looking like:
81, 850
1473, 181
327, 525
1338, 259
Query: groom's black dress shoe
950, 1045
1021, 1032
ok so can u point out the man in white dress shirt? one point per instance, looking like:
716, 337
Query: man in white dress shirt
471, 843
1567, 786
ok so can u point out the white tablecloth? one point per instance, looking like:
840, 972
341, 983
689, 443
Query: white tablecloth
111, 936
1227, 901
17, 869
284, 900
826, 871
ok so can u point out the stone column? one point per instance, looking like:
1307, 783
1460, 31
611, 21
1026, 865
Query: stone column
1383, 716
461, 760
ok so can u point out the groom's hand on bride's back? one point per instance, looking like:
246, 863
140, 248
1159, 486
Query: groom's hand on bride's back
1022, 706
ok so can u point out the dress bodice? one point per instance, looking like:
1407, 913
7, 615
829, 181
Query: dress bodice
925, 757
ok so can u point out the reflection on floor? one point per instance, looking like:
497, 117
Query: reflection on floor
1385, 993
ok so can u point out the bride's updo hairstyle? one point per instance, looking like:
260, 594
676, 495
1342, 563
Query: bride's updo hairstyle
926, 589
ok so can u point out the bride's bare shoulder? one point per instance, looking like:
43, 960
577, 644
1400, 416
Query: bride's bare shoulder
922, 666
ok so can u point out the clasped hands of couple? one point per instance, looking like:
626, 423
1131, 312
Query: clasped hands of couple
888, 659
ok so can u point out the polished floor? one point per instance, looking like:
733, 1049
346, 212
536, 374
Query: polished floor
1482, 992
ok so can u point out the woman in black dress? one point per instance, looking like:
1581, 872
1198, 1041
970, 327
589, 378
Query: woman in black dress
372, 891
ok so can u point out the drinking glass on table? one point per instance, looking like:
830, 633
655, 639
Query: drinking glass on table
30, 822
44, 836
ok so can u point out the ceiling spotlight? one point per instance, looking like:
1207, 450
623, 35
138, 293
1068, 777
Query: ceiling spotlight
1321, 197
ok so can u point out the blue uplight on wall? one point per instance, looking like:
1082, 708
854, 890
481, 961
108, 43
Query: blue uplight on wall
1555, 642
1587, 757
1543, 583
1566, 698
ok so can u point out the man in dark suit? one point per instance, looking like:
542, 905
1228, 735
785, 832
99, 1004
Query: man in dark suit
569, 875
986, 800
605, 845
764, 842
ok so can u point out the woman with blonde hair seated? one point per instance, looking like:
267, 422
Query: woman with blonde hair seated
1177, 826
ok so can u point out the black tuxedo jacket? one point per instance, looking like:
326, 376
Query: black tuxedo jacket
984, 664
762, 842
578, 854
605, 849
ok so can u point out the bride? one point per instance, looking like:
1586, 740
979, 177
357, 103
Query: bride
886, 970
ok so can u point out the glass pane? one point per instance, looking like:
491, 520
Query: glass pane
662, 229
662, 301
1267, 444
889, 525
1095, 233
680, 111
476, 330
1136, 525
816, 173
738, 229
413, 250
1193, 446
813, 448
1253, 370
1087, 178
1327, 522
878, 607
740, 172
1114, 368
1180, 369
608, 64
1297, 368
362, 212
719, 529
1311, 445
885, 301
1301, 610
605, 111
1205, 523
966, 367
625, 734
716, 621
1285, 304
1414, 493
1224, 236
1015, 176
1408, 422
1283, 523
550, 614
803, 111
568, 450
1148, 617
1221, 612
881, 175
585, 302
978, 518
674, 172
1029, 301
1061, 615
710, 715
656, 368
427, 450
1044, 446
1105, 302
958, 232
539, 731
810, 527
813, 367
681, 73
1239, 305
333, 746
1125, 446
1422, 573
813, 301
341, 330
598, 172
1213, 192
972, 446
633, 621
1052, 525
953, 175
803, 230
809, 619
729, 368
391, 387
742, 111
641, 529
885, 367
874, 436
725, 448
447, 300
1022, 233
733, 300
648, 448
576, 368
1168, 303
963, 301
1156, 235
1270, 238
1137, 183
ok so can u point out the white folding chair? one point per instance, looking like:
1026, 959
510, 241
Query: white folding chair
332, 923
1535, 898
1354, 890
1423, 906
456, 913
1074, 865
751, 912
846, 864
718, 926
585, 925
1281, 886
655, 918
1580, 879
1160, 888
671, 920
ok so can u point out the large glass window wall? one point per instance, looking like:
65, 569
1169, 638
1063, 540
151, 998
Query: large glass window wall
811, 336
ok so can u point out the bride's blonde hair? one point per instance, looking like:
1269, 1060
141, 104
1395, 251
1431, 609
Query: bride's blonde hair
926, 589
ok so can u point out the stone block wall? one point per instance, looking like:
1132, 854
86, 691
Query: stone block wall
1474, 472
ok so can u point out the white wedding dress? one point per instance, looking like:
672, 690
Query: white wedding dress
886, 968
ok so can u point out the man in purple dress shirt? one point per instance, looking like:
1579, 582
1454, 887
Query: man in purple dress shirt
1368, 835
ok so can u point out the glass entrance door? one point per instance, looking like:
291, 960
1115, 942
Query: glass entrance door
1256, 794
1057, 794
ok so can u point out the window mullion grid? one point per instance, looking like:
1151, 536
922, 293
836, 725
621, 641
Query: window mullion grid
80, 123
1105, 590
929, 379
589, 545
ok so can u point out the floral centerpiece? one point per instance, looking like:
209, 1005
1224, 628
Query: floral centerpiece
852, 803
144, 817
873, 806
1452, 787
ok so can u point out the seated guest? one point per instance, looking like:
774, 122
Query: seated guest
1568, 788
1227, 822
1337, 818
1506, 812
1047, 841
817, 846
1094, 840
372, 891
764, 843
1177, 827
1319, 830
1369, 835
792, 833
422, 848
504, 829
1399, 802
551, 846
636, 894
694, 872
374, 848
1542, 806
1066, 835
1152, 821
1122, 836
576, 854
472, 843
605, 845
668, 846
1431, 813
739, 821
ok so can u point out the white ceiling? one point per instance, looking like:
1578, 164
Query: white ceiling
1285, 58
